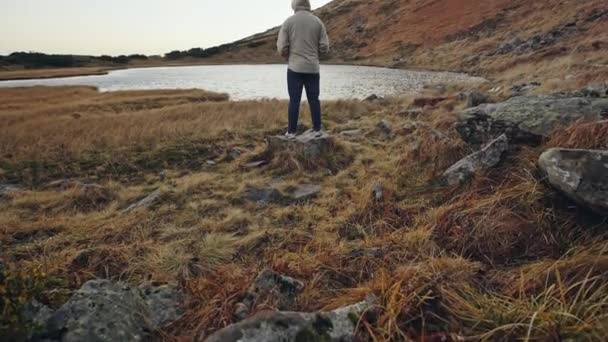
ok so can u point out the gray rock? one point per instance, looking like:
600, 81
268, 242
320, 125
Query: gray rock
338, 325
106, 311
304, 192
269, 285
385, 127
36, 314
488, 157
6, 189
377, 192
527, 118
582, 175
372, 98
352, 133
256, 164
595, 90
264, 196
524, 88
163, 304
306, 145
147, 202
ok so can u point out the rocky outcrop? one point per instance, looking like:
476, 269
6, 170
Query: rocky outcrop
146, 202
105, 311
581, 175
336, 325
488, 157
527, 119
6, 189
269, 286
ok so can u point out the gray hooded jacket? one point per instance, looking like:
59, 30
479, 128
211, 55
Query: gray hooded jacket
303, 38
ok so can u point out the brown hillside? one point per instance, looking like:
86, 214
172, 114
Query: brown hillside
504, 39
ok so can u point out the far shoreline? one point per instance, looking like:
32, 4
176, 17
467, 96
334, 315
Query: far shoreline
57, 73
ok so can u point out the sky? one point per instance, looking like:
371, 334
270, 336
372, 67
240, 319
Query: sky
114, 27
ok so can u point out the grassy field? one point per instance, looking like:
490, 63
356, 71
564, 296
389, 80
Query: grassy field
503, 258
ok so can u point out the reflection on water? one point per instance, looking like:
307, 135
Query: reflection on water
260, 81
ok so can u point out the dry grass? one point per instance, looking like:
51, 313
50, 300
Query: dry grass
501, 258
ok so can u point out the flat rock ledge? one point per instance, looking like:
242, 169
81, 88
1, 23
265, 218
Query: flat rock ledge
581, 175
306, 145
527, 119
105, 311
466, 168
338, 325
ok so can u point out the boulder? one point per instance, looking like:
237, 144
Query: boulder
269, 286
488, 157
105, 311
582, 175
146, 202
306, 145
527, 119
337, 325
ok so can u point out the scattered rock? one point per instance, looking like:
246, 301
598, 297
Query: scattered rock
385, 127
488, 157
304, 192
269, 286
146, 202
211, 162
163, 304
264, 196
582, 175
377, 192
352, 133
595, 91
106, 311
526, 119
162, 176
36, 314
6, 189
306, 145
256, 164
233, 153
337, 325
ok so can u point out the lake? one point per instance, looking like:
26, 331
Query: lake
244, 82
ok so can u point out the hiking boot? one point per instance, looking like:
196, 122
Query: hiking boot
290, 136
319, 133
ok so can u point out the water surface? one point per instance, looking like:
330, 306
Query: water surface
243, 82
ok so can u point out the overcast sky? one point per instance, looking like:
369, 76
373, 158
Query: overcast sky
133, 26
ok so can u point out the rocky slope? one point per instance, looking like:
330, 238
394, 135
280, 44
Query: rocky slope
507, 39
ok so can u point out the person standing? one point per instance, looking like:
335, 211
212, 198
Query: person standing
303, 40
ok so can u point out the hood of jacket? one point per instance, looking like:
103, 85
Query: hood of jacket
300, 5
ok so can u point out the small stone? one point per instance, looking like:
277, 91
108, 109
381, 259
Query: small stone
147, 202
352, 133
305, 192
372, 98
488, 157
256, 164
385, 127
211, 163
377, 192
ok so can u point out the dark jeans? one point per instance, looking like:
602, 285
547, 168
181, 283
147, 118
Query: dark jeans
295, 82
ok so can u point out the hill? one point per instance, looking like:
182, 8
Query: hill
507, 40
